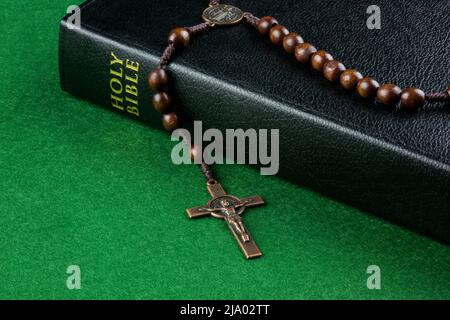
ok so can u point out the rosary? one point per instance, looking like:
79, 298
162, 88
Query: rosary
228, 207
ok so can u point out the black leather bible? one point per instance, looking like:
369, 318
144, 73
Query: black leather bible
384, 161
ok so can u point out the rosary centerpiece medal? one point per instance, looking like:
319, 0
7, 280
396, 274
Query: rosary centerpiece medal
222, 14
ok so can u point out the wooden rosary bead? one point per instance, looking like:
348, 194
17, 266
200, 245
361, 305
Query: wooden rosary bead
179, 37
158, 79
162, 102
171, 121
367, 87
349, 79
332, 70
389, 94
265, 24
319, 58
412, 99
304, 51
291, 41
277, 34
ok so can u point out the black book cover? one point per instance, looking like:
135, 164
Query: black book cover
383, 161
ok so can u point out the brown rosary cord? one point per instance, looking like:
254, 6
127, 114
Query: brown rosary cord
170, 49
438, 96
251, 19
207, 172
167, 55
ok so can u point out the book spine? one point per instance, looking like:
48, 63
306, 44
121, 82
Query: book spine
103, 71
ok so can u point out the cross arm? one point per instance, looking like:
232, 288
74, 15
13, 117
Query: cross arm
253, 201
197, 212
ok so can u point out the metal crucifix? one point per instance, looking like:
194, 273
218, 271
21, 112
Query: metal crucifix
230, 208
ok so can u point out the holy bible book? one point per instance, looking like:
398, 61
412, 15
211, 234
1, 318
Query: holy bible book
386, 162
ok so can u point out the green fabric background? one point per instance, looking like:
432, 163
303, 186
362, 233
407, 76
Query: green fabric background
81, 185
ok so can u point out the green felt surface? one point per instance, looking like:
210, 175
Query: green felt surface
81, 185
